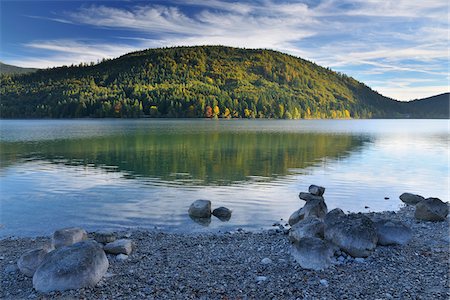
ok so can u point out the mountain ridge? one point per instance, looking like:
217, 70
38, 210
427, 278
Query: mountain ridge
12, 70
199, 81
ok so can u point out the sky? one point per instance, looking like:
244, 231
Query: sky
399, 48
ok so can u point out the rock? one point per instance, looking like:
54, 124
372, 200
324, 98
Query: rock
431, 209
313, 253
309, 227
260, 279
392, 232
68, 236
9, 269
30, 260
122, 246
308, 196
121, 257
316, 190
200, 209
104, 237
411, 199
222, 213
360, 260
323, 282
333, 215
71, 267
266, 261
312, 208
353, 233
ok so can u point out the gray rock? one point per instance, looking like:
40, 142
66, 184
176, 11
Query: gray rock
104, 237
323, 282
222, 213
266, 261
30, 260
260, 279
431, 209
313, 253
71, 267
309, 227
316, 190
200, 209
333, 215
312, 208
68, 236
121, 257
308, 196
391, 232
360, 260
411, 199
122, 246
353, 233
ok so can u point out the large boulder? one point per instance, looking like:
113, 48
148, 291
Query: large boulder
68, 236
308, 196
30, 260
353, 233
200, 209
391, 232
431, 209
122, 246
411, 199
316, 190
71, 267
333, 215
222, 213
313, 253
313, 208
309, 227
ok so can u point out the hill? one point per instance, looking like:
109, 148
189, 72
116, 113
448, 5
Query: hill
202, 81
436, 106
11, 70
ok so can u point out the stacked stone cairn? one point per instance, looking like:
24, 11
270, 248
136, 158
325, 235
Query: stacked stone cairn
321, 238
72, 260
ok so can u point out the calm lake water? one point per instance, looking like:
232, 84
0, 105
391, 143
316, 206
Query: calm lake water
115, 174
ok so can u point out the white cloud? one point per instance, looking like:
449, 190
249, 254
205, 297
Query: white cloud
384, 37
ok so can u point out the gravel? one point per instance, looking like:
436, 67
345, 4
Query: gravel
229, 266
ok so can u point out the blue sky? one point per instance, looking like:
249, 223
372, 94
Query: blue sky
398, 47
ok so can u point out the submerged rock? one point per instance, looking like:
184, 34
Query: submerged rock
316, 190
68, 236
30, 260
309, 227
71, 267
122, 246
200, 209
222, 213
411, 199
313, 253
392, 232
308, 196
353, 233
431, 209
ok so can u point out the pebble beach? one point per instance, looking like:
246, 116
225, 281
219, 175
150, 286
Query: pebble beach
252, 265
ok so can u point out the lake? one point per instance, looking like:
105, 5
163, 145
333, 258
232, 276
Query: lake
116, 174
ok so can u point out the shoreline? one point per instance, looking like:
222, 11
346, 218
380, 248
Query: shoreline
230, 266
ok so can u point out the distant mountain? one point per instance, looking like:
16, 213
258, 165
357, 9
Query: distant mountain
436, 106
202, 81
11, 70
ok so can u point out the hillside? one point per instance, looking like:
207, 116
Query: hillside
11, 70
436, 106
203, 81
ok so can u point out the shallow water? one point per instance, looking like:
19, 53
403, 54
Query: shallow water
145, 173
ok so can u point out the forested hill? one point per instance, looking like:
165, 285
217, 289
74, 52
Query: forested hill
11, 70
204, 81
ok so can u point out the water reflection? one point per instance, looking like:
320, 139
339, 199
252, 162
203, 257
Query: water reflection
205, 158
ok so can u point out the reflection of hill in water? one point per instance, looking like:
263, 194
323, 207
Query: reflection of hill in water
204, 157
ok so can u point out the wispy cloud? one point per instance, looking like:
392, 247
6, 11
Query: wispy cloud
385, 37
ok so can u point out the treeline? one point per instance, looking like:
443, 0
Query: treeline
193, 82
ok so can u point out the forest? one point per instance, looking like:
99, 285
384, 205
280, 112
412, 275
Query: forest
197, 82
